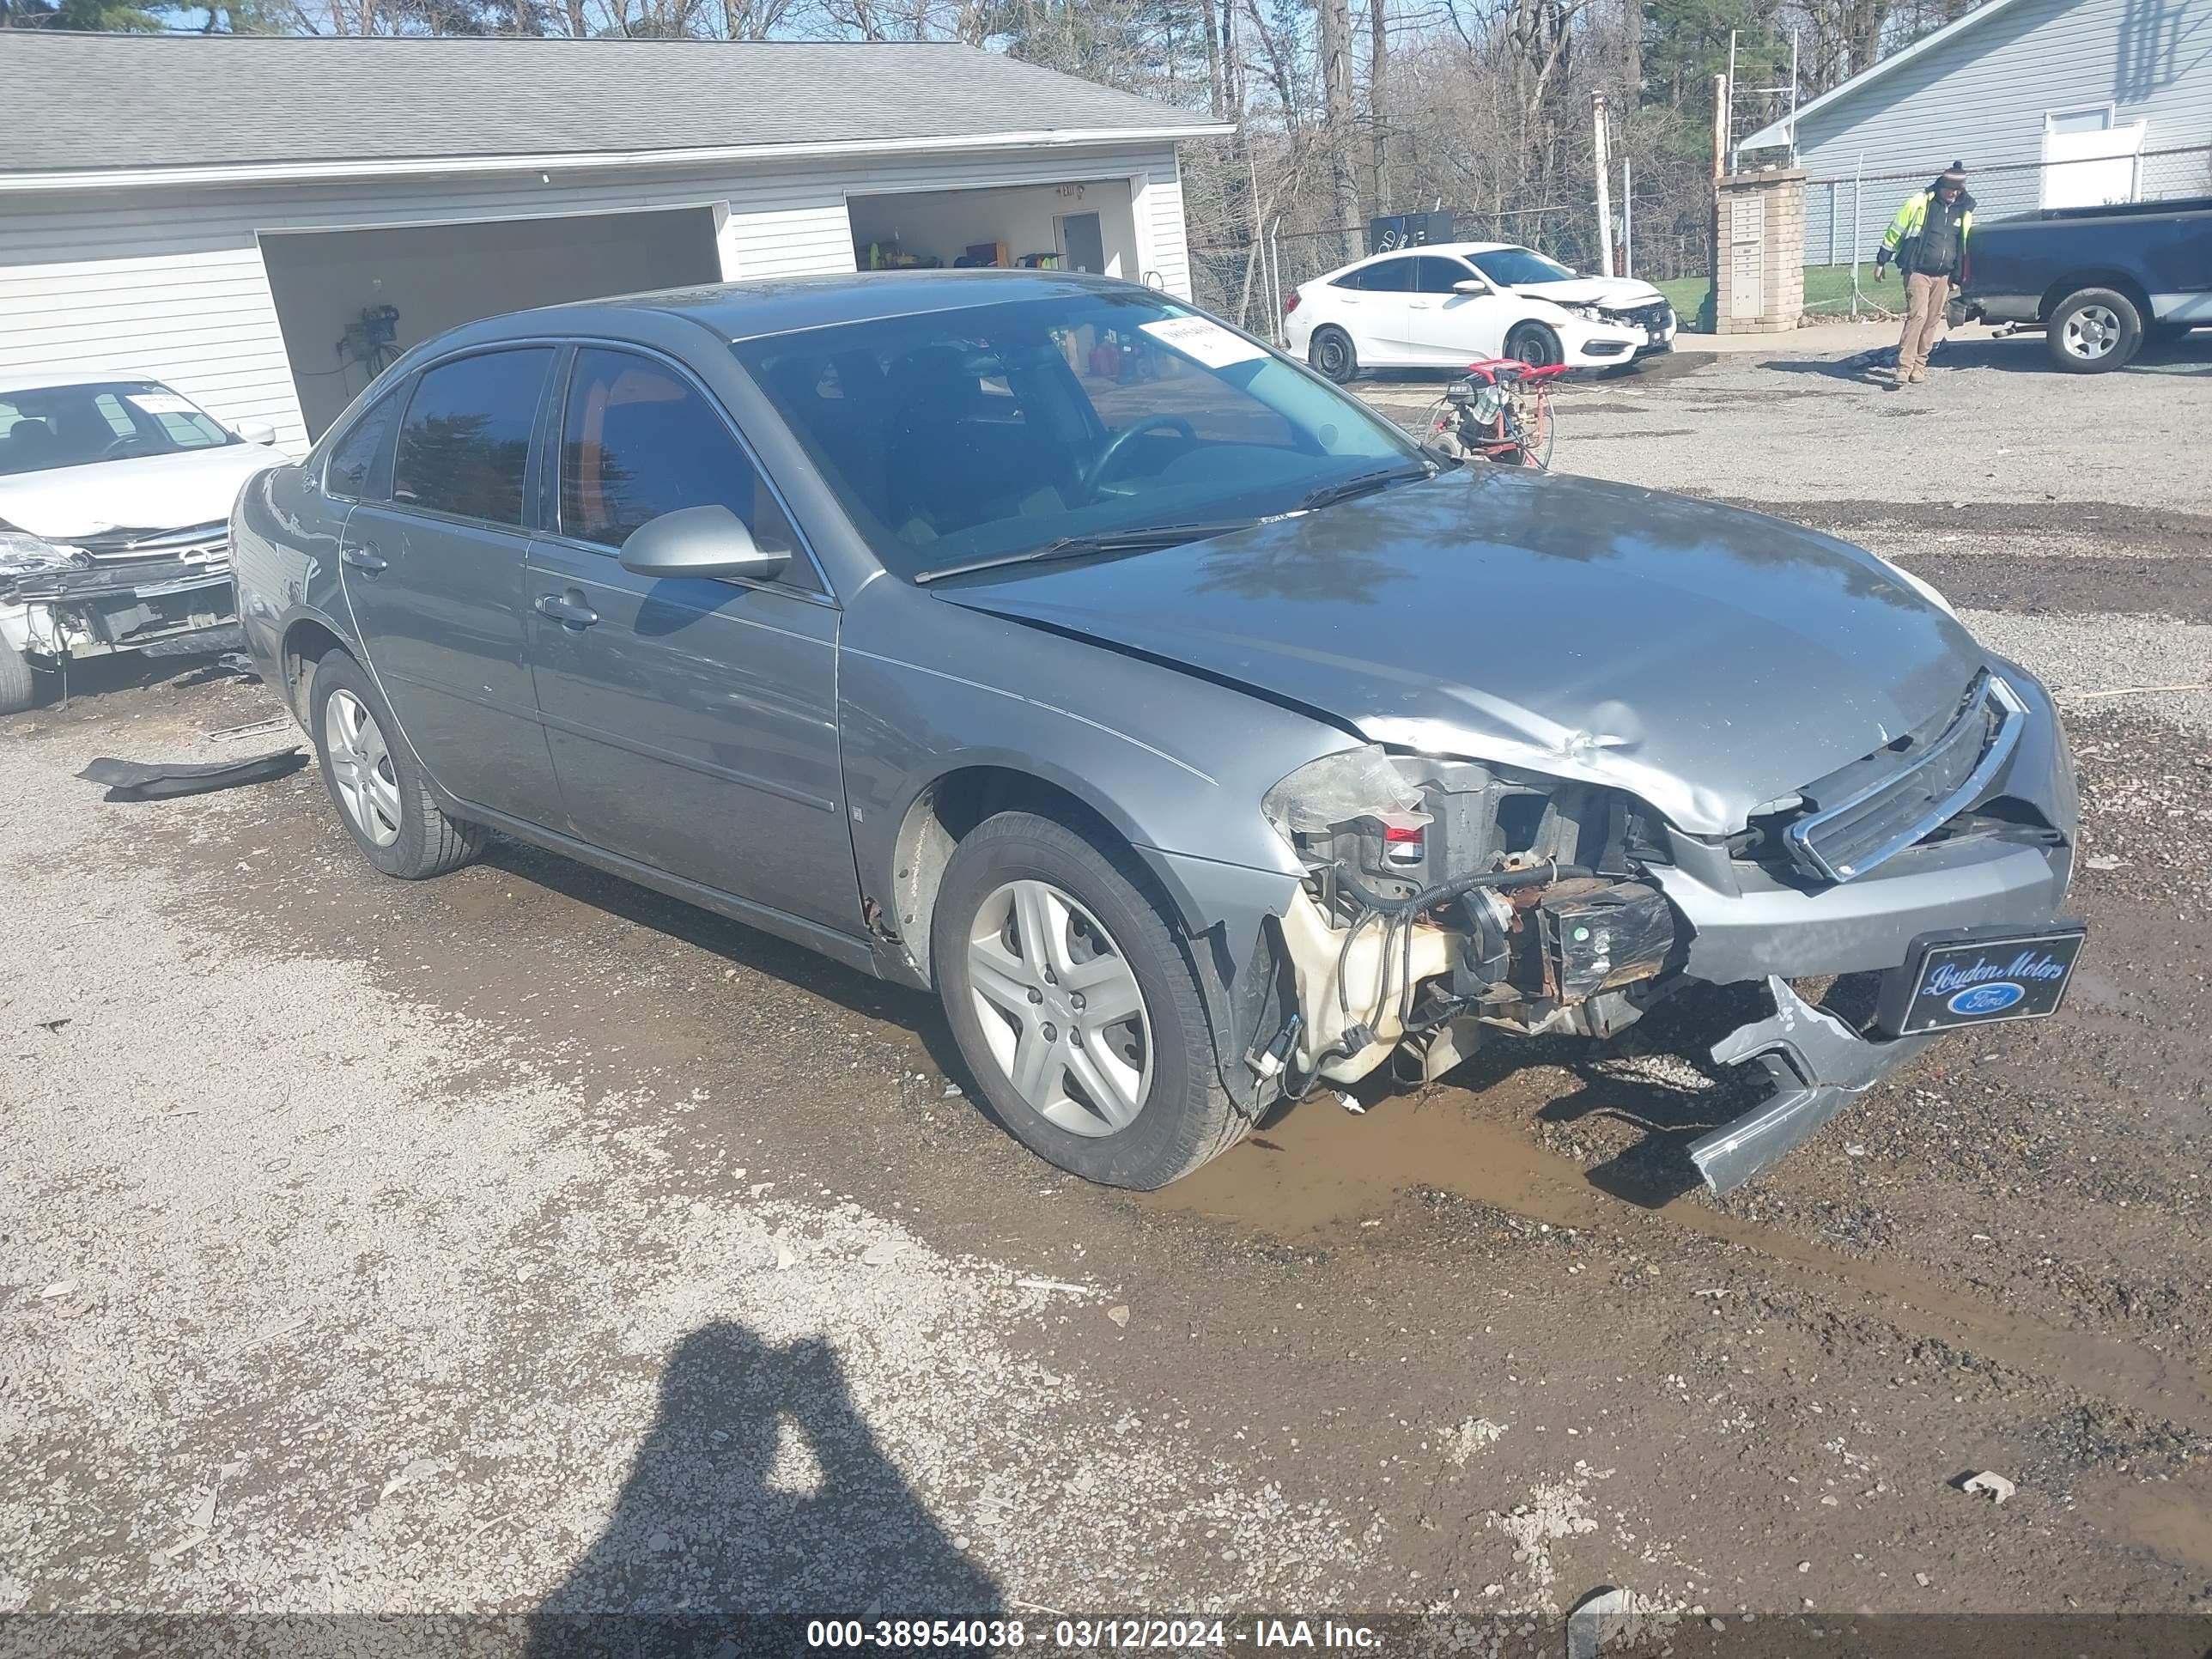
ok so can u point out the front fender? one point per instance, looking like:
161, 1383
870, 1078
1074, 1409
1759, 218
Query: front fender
1176, 765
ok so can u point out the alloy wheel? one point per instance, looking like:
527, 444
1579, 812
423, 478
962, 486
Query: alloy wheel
361, 762
1059, 1008
2092, 332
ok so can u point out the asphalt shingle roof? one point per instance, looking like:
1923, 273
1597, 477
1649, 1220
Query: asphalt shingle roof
213, 100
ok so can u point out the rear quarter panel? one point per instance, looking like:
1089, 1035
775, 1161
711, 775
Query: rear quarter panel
284, 551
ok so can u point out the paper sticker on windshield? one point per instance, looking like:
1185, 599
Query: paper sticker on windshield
1204, 340
162, 402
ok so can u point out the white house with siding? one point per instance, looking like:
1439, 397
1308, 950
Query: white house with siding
276, 214
2050, 103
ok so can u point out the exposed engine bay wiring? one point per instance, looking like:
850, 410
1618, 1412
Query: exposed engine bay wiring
1396, 917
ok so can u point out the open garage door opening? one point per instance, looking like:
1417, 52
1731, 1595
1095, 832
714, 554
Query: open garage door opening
1088, 225
349, 302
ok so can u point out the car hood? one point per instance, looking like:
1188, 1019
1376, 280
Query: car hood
146, 492
1707, 659
1623, 293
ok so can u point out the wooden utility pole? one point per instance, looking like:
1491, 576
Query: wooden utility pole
1711, 311
1720, 124
1336, 19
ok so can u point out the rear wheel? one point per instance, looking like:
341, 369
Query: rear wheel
1535, 345
2094, 329
382, 796
1332, 354
1075, 1007
18, 689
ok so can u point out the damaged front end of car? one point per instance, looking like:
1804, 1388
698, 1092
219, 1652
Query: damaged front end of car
154, 591
1444, 895
1445, 900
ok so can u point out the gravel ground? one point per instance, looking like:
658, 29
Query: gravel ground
522, 1243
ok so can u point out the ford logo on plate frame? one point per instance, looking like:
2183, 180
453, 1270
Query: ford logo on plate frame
1991, 998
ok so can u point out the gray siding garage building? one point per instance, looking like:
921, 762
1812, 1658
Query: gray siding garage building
276, 218
2050, 103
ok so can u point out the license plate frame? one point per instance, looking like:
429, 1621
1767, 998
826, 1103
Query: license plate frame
1968, 976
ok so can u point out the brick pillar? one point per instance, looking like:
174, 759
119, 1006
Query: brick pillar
1759, 286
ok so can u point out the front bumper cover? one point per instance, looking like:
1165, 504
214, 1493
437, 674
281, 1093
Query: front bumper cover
1819, 1066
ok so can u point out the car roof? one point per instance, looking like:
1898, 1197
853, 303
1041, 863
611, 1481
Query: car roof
25, 381
1438, 247
782, 305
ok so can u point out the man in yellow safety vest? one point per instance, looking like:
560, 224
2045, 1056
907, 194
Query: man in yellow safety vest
1928, 240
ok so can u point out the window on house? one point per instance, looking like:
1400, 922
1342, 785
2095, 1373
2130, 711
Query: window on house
2096, 118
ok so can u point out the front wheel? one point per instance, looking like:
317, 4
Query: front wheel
1535, 345
2092, 331
18, 690
1075, 1007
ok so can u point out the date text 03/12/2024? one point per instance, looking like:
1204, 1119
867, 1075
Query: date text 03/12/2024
999, 1635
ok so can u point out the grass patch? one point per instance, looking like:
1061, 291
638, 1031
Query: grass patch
1827, 288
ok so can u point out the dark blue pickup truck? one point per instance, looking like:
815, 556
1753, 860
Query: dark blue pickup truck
2099, 281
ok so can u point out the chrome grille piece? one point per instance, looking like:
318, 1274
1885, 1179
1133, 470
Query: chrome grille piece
195, 542
1875, 808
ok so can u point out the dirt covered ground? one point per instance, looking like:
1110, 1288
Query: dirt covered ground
521, 1241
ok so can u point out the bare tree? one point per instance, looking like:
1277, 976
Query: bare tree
1335, 36
1378, 106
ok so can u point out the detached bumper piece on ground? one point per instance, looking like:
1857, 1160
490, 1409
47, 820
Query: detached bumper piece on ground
162, 780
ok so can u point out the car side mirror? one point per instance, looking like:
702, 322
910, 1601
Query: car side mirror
1472, 285
699, 541
258, 432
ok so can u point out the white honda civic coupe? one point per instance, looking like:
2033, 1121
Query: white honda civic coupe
1451, 303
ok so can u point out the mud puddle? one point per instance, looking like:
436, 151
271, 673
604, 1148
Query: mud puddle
2172, 1519
1322, 1171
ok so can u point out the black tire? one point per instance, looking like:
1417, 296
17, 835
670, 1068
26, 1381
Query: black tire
2094, 331
1535, 345
19, 687
1333, 354
1185, 1116
428, 842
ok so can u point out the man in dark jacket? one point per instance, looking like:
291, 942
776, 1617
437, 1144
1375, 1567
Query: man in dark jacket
1928, 240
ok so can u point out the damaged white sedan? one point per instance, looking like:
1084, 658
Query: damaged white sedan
115, 492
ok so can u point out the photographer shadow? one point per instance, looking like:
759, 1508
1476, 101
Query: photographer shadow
731, 1531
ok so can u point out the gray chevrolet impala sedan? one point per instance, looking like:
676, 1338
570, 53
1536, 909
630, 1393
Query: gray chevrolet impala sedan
1196, 735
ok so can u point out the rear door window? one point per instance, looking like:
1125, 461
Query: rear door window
639, 440
464, 447
1389, 277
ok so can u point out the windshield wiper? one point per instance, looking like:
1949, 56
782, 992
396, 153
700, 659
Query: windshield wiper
1149, 539
1362, 483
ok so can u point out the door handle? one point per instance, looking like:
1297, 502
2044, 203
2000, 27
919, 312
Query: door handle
363, 558
567, 609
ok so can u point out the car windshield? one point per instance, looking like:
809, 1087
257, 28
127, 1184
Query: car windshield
42, 427
1513, 266
954, 436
